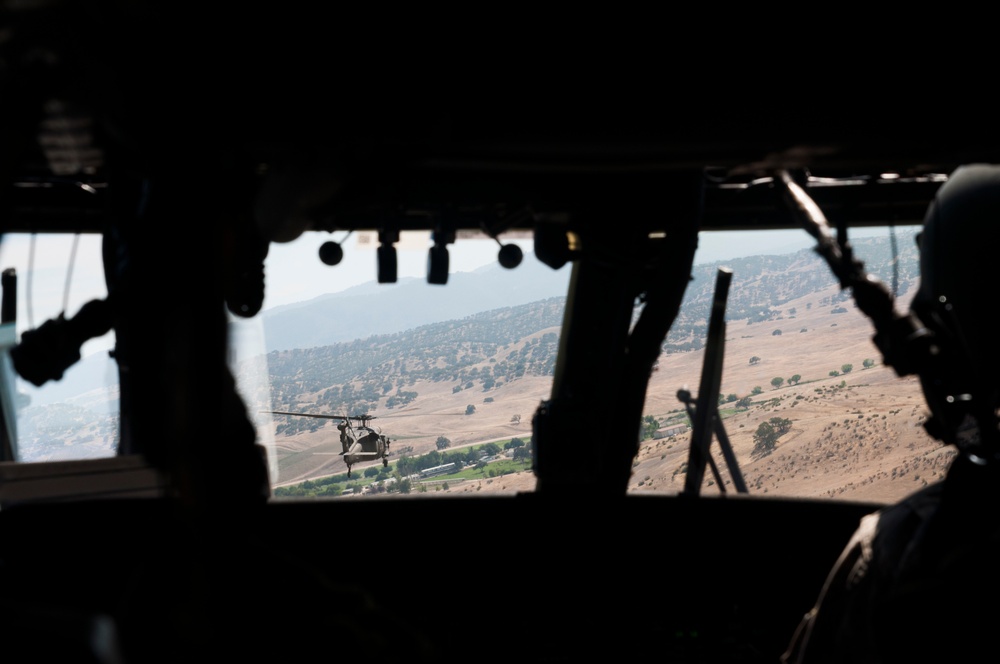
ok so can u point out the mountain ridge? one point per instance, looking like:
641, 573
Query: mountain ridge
373, 309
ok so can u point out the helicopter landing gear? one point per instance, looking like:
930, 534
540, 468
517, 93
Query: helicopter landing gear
348, 472
385, 462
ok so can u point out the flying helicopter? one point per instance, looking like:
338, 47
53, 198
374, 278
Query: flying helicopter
361, 443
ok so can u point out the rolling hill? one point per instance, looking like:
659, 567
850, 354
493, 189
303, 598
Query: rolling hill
855, 428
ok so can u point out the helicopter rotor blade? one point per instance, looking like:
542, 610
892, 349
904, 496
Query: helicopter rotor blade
417, 414
325, 417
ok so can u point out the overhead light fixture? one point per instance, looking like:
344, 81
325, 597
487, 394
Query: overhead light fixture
387, 260
437, 257
437, 264
510, 255
331, 253
553, 245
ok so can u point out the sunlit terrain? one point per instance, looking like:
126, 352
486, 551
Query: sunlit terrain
807, 407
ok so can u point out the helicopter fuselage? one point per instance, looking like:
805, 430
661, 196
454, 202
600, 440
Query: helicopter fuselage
369, 446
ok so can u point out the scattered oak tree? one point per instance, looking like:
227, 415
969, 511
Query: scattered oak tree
767, 435
513, 444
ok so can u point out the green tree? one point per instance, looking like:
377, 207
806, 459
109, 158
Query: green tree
442, 443
743, 402
767, 434
846, 368
834, 372
406, 465
513, 444
491, 449
868, 363
777, 381
522, 454
756, 390
795, 378
649, 426
470, 409
754, 360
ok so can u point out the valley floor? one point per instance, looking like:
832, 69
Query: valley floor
855, 428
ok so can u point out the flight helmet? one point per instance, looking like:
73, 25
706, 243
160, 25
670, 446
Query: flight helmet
956, 303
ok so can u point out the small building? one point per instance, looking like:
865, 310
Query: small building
671, 430
438, 470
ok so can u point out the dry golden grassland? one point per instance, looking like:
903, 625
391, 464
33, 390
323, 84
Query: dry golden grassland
853, 436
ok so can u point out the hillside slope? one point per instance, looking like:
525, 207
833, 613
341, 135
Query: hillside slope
855, 435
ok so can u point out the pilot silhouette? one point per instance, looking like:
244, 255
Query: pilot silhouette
918, 579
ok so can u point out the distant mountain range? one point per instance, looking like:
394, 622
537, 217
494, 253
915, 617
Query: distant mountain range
495, 345
374, 309
760, 285
765, 281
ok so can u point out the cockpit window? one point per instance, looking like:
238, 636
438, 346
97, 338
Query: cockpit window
805, 405
75, 417
449, 374
453, 374
360, 388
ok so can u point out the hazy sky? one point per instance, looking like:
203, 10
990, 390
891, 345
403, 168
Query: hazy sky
293, 270
42, 265
295, 273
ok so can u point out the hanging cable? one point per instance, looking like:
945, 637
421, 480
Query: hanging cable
69, 272
27, 285
895, 260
